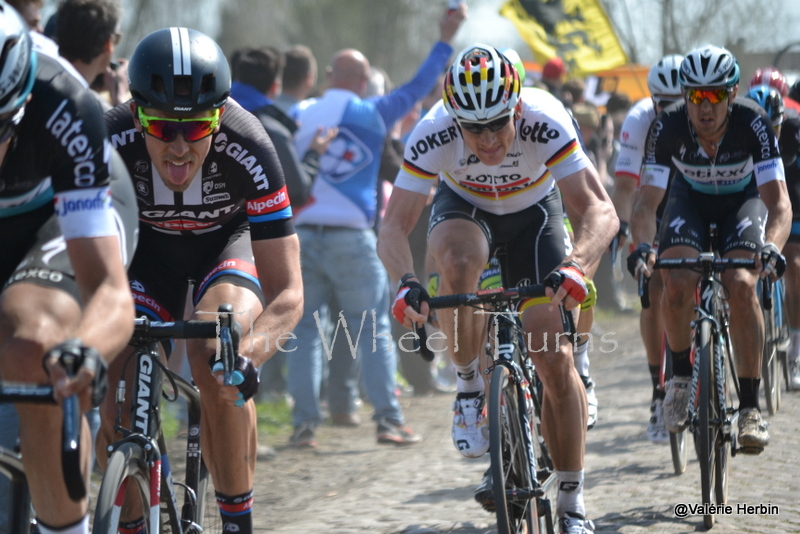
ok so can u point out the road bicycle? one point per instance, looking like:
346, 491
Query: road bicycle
138, 474
20, 517
523, 476
713, 416
774, 366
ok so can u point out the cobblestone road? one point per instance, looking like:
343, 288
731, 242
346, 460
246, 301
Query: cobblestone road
352, 485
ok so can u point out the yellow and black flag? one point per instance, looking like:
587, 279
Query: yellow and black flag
578, 31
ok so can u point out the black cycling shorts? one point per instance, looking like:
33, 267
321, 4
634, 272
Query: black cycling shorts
165, 264
740, 218
535, 240
35, 251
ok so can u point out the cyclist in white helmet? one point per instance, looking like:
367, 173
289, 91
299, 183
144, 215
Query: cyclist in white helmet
662, 81
723, 156
506, 159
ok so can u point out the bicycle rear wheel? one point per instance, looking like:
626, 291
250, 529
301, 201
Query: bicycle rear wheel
126, 479
677, 440
706, 429
511, 472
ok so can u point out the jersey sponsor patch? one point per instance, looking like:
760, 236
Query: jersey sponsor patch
270, 208
85, 212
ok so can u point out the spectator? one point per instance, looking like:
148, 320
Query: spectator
339, 257
31, 11
554, 72
256, 74
571, 92
86, 33
299, 77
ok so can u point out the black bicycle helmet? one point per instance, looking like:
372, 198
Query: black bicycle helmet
17, 60
182, 59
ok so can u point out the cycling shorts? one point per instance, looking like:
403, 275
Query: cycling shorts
534, 239
165, 264
740, 219
35, 251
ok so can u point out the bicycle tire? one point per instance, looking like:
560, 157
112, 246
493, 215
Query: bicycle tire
723, 445
704, 432
770, 372
126, 470
677, 440
18, 506
511, 472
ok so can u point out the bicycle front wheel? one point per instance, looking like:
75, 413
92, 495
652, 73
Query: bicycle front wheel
17, 507
707, 427
770, 362
126, 480
511, 471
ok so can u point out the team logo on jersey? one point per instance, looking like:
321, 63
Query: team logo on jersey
346, 156
243, 157
473, 160
219, 197
213, 168
208, 187
68, 130
434, 140
539, 132
141, 166
269, 204
142, 188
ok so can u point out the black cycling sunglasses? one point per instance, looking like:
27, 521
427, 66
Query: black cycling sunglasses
478, 127
9, 123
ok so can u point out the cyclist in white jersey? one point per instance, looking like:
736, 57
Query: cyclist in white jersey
501, 152
662, 81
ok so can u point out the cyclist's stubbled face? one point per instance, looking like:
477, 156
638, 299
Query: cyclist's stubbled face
178, 161
491, 147
708, 120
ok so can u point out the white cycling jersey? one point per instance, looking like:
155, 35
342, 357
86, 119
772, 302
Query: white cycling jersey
545, 149
632, 137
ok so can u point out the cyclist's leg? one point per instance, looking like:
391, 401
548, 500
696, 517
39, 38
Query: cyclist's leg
682, 233
459, 244
739, 240
33, 319
228, 432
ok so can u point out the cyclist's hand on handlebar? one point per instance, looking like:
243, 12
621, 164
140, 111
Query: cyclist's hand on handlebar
90, 371
770, 262
644, 257
566, 285
410, 304
245, 380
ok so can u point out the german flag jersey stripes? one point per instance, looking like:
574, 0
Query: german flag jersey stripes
545, 150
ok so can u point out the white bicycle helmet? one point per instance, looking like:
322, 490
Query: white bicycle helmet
17, 60
709, 66
663, 76
481, 85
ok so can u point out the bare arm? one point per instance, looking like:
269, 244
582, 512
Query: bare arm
776, 199
278, 265
107, 320
402, 214
589, 207
624, 190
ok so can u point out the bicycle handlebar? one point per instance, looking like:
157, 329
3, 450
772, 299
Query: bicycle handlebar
498, 296
705, 261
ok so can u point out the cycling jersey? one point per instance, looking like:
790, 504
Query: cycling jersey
240, 173
632, 137
60, 155
545, 149
789, 144
747, 155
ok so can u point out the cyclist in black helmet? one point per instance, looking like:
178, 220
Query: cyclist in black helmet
214, 210
67, 227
